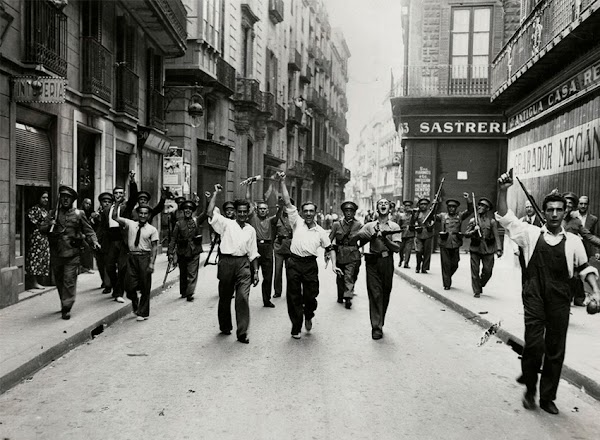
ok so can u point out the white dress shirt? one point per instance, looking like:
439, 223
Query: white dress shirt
235, 240
306, 241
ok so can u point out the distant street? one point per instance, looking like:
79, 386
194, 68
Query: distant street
175, 377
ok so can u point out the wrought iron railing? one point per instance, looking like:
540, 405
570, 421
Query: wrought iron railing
96, 66
46, 36
294, 114
548, 20
267, 103
247, 90
443, 80
295, 61
156, 110
226, 74
278, 116
127, 91
176, 15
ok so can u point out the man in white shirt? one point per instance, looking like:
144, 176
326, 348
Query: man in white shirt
238, 252
302, 271
552, 257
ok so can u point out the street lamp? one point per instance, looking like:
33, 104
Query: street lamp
196, 109
196, 106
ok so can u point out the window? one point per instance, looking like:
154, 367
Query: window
91, 19
126, 43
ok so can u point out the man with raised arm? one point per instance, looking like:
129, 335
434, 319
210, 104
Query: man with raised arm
238, 253
302, 271
552, 257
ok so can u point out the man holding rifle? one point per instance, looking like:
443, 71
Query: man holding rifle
553, 257
485, 242
424, 235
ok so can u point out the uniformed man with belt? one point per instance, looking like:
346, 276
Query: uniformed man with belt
485, 242
66, 229
379, 262
281, 246
187, 242
302, 271
451, 237
424, 236
348, 255
408, 233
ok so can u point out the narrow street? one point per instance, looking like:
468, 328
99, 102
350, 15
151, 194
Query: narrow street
175, 377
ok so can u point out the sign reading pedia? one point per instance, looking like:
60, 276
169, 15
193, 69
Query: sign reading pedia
45, 89
574, 149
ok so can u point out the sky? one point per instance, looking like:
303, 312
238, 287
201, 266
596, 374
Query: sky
373, 33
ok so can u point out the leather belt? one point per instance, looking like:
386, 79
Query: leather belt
139, 252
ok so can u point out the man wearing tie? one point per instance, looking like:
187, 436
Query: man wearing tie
530, 216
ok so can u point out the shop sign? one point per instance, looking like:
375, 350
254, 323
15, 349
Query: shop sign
43, 89
577, 85
451, 127
574, 149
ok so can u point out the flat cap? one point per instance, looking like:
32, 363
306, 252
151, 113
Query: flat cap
423, 200
349, 205
452, 202
408, 202
486, 201
179, 200
145, 194
227, 205
64, 189
106, 196
188, 204
572, 196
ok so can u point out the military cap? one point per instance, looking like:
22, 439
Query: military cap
452, 202
144, 206
423, 200
64, 189
408, 202
572, 196
179, 200
118, 187
349, 205
486, 201
188, 204
106, 196
228, 204
144, 194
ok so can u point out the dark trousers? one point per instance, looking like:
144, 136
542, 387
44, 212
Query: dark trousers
234, 276
485, 262
87, 257
265, 262
450, 259
278, 277
407, 247
116, 265
65, 270
424, 249
188, 274
302, 289
578, 290
380, 273
345, 283
138, 278
100, 261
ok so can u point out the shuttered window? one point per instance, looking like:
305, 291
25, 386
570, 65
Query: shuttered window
34, 156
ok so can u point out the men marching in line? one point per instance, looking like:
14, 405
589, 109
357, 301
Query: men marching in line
485, 243
66, 228
424, 236
379, 262
348, 255
451, 237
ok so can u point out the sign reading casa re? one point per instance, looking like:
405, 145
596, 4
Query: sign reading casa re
428, 127
45, 89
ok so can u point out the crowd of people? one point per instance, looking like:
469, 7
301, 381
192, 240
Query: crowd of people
555, 245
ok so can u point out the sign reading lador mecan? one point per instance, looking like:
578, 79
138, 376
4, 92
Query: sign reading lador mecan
44, 89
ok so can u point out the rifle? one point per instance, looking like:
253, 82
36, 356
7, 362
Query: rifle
534, 205
433, 206
170, 268
476, 216
216, 239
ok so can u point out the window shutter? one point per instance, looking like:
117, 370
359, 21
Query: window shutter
34, 156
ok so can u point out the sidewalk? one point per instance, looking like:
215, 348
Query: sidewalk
32, 334
501, 300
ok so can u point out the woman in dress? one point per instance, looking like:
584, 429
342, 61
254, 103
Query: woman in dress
37, 262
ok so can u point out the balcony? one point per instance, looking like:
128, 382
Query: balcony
552, 35
306, 77
316, 101
443, 80
296, 170
345, 176
294, 114
156, 110
295, 61
96, 76
45, 36
316, 155
165, 20
225, 76
312, 51
127, 91
276, 11
247, 92
277, 118
266, 103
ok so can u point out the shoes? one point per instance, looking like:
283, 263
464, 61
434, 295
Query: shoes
446, 288
521, 380
579, 302
141, 318
348, 304
308, 325
406, 266
340, 301
296, 335
226, 332
66, 315
477, 295
548, 406
107, 290
377, 334
418, 270
243, 339
190, 299
120, 299
277, 295
269, 305
423, 271
528, 400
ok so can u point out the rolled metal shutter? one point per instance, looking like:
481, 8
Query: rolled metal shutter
34, 156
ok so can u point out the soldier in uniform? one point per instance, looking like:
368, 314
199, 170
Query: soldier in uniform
106, 200
408, 233
424, 236
451, 237
187, 242
66, 230
281, 246
485, 242
348, 255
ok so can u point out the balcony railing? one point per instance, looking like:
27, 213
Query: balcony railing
443, 80
295, 62
156, 111
45, 36
312, 51
96, 64
294, 114
267, 103
226, 74
347, 174
127, 88
278, 116
548, 20
315, 154
276, 11
306, 77
247, 91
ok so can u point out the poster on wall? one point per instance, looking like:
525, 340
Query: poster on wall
422, 183
187, 172
173, 171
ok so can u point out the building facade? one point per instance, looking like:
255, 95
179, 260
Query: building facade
546, 78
